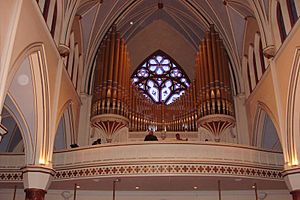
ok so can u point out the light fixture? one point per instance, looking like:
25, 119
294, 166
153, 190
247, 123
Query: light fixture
131, 22
254, 186
75, 190
219, 189
114, 187
23, 79
137, 187
195, 187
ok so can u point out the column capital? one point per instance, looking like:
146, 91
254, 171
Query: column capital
37, 177
292, 178
269, 51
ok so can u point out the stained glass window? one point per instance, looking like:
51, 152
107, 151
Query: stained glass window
161, 78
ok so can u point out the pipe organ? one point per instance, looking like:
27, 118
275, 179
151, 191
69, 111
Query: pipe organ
214, 95
118, 103
111, 85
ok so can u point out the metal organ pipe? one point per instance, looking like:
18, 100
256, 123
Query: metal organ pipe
108, 112
206, 103
219, 103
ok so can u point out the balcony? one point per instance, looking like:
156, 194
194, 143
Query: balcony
156, 159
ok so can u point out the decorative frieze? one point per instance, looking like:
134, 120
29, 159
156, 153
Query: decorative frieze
156, 169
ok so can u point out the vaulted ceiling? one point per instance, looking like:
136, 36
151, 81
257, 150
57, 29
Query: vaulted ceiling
187, 19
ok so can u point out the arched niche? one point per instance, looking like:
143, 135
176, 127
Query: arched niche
265, 134
64, 135
28, 99
12, 141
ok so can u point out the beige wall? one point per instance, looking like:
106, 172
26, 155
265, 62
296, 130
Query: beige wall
262, 94
159, 35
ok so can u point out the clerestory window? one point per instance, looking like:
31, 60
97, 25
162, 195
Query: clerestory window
161, 78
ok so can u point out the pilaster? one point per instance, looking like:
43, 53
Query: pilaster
84, 119
241, 119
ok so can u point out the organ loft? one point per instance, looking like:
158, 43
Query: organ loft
149, 99
159, 95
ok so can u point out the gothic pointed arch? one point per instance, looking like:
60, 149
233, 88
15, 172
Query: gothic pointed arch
12, 120
29, 93
292, 112
161, 78
64, 135
265, 133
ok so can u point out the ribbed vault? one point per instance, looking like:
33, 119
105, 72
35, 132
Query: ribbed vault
190, 18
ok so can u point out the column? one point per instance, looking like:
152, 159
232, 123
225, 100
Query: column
36, 181
84, 120
292, 180
241, 118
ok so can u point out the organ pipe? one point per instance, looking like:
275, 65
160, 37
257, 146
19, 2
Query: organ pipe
109, 100
218, 113
206, 103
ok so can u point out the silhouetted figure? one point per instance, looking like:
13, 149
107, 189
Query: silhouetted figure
150, 136
98, 141
179, 138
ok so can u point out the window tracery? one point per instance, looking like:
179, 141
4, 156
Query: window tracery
161, 78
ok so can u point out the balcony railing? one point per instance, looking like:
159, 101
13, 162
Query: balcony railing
158, 158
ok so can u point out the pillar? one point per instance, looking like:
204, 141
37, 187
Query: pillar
292, 180
36, 181
241, 118
84, 119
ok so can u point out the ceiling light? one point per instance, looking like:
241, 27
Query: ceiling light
137, 187
77, 186
195, 187
131, 23
23, 79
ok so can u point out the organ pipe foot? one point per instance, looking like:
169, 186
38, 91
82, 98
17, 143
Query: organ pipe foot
216, 124
109, 124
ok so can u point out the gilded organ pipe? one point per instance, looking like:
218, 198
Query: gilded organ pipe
109, 100
217, 115
206, 103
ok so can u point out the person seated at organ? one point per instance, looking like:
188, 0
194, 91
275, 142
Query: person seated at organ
150, 136
179, 138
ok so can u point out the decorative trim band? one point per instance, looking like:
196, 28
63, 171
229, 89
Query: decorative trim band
156, 169
11, 176
167, 169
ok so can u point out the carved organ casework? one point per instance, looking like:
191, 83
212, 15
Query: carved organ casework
214, 95
159, 95
110, 94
